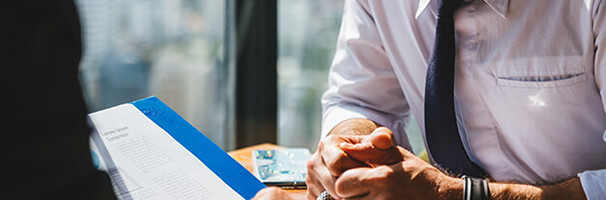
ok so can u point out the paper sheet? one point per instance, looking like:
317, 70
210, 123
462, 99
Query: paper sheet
145, 162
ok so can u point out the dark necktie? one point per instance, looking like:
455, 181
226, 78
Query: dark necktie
443, 140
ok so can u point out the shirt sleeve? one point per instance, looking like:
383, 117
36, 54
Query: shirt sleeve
362, 82
594, 181
594, 184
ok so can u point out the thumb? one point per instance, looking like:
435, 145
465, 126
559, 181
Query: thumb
381, 138
377, 148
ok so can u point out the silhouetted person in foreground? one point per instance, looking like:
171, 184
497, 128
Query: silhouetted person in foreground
45, 151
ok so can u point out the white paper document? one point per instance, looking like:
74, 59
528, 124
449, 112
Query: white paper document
145, 161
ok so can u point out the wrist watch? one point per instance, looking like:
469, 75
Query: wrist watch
475, 188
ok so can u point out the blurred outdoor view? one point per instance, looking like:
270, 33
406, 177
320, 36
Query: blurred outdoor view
307, 38
174, 49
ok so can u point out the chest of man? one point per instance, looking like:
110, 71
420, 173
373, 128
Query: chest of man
528, 104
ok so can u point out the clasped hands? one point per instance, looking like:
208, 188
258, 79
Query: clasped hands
373, 167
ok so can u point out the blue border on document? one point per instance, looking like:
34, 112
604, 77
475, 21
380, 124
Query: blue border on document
223, 165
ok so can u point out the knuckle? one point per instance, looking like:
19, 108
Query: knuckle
309, 178
312, 162
335, 165
320, 145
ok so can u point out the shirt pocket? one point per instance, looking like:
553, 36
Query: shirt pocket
540, 72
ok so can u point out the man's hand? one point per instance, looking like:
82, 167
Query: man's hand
327, 164
378, 148
397, 173
329, 161
272, 193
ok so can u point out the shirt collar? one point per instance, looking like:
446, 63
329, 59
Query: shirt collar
499, 6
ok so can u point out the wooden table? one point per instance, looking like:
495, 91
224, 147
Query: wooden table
244, 157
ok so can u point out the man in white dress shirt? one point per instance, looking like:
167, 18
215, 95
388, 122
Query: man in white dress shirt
530, 88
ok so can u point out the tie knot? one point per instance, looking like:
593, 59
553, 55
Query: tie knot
446, 8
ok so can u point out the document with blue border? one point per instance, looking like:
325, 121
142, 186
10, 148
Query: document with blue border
150, 152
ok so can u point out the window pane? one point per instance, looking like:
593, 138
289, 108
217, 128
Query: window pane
172, 49
307, 36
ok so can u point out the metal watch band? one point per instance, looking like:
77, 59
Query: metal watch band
475, 188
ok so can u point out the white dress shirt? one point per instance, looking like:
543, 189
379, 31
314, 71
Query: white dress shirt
530, 81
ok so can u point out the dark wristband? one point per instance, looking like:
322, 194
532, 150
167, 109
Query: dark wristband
475, 188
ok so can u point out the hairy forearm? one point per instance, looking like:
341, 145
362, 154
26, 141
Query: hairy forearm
452, 188
569, 189
356, 126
